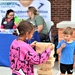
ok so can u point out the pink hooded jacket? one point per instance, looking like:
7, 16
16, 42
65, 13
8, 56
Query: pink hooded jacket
23, 56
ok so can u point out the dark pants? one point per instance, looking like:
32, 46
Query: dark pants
42, 36
14, 74
66, 68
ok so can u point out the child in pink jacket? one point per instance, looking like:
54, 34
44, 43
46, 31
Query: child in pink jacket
22, 55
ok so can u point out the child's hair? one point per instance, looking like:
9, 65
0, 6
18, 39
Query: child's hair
23, 27
68, 30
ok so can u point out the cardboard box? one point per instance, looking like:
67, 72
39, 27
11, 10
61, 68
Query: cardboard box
45, 68
48, 64
40, 46
52, 53
45, 72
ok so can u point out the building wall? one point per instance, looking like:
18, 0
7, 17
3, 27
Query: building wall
60, 11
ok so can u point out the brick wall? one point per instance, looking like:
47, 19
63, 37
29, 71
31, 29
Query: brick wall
60, 11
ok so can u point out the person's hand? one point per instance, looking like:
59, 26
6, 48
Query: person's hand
33, 44
74, 65
63, 45
50, 47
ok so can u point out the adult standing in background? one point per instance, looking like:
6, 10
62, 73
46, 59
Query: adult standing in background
8, 22
38, 22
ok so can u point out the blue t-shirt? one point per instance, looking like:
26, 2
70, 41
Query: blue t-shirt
67, 54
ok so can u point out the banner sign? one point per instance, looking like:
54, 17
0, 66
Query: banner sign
43, 6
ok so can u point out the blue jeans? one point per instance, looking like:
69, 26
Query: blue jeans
42, 37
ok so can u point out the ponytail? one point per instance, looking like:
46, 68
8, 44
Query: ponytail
36, 13
34, 10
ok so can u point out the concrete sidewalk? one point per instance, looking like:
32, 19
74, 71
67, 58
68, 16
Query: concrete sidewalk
7, 71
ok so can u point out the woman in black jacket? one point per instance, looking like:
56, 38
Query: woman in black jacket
8, 20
